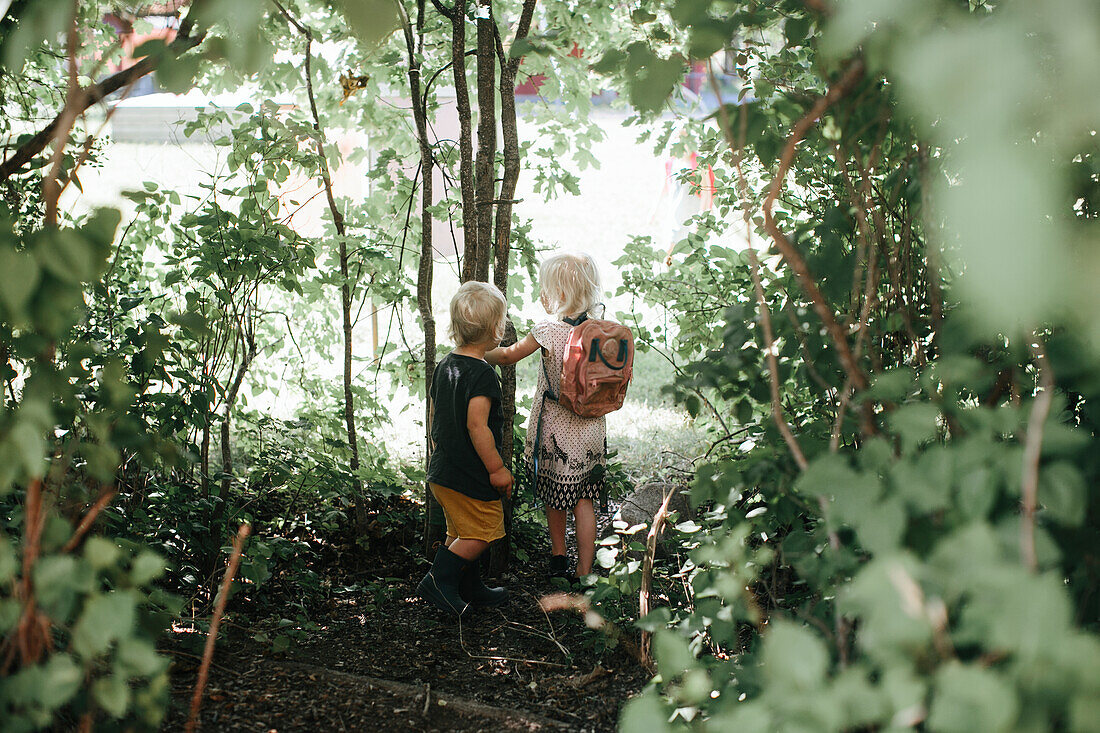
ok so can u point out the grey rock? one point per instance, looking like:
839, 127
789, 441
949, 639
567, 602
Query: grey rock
642, 504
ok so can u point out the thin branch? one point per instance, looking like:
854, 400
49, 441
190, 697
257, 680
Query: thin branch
88, 96
89, 518
737, 147
787, 249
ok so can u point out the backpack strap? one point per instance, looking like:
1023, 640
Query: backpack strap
574, 322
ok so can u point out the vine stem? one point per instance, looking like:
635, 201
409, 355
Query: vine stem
787, 249
736, 147
1033, 446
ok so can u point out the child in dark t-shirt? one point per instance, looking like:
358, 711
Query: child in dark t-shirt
465, 471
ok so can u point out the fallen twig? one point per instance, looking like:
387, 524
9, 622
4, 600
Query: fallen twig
212, 636
647, 577
458, 705
1033, 445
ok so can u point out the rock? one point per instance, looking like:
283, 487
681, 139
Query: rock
640, 506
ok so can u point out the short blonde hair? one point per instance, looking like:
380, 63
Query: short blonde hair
569, 283
477, 314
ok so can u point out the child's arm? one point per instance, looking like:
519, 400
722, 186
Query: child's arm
477, 423
508, 355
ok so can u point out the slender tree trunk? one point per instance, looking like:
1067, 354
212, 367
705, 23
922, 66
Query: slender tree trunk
502, 250
230, 402
433, 516
485, 169
465, 141
204, 457
227, 455
345, 283
341, 232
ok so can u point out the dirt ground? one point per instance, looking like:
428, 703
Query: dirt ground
386, 661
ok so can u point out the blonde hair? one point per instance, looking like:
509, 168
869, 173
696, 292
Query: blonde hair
569, 284
477, 314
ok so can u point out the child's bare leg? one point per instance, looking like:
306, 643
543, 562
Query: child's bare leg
555, 521
585, 516
468, 549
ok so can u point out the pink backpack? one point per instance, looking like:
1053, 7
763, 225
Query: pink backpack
596, 367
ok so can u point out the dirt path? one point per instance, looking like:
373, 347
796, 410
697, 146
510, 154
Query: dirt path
384, 660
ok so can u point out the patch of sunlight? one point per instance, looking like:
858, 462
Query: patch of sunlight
654, 440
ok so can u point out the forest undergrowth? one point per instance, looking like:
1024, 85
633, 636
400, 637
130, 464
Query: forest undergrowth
891, 451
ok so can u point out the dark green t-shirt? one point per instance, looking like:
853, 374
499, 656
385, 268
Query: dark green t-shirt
454, 463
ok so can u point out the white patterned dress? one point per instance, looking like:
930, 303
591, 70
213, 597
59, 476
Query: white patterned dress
571, 446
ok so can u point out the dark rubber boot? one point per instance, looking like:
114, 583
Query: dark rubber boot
440, 586
474, 591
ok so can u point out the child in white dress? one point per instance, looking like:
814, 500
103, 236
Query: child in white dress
570, 460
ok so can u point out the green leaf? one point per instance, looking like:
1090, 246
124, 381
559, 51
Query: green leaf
106, 618
147, 567
67, 255
671, 651
914, 423
970, 698
8, 561
794, 659
113, 695
795, 30
644, 714
1063, 493
371, 20
19, 276
139, 658
655, 620
101, 552
62, 677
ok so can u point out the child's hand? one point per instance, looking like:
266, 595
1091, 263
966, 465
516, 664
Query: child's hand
501, 479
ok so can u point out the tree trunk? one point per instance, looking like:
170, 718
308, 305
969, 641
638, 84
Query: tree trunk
204, 457
433, 515
501, 551
360, 509
465, 141
230, 403
485, 178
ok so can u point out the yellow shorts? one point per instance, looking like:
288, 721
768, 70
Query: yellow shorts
470, 519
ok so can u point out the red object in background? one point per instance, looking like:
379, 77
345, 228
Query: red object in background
130, 41
704, 181
695, 77
531, 86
